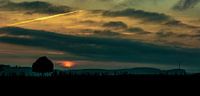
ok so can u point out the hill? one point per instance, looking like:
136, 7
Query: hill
6, 70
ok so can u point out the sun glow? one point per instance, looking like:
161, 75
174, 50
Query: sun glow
67, 64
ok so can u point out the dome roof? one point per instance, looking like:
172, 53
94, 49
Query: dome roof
42, 65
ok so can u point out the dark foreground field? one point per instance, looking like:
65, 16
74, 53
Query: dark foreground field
105, 82
104, 78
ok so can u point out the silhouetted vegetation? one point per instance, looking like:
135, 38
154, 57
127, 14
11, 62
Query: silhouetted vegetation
71, 76
20, 73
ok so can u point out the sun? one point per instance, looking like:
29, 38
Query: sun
68, 64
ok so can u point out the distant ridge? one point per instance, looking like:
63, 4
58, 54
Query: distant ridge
6, 69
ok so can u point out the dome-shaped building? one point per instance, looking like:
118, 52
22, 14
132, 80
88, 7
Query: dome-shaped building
43, 65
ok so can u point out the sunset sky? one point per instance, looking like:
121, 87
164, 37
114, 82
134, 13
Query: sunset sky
101, 34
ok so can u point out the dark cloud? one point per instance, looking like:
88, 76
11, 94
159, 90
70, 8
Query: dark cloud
165, 34
115, 24
137, 30
35, 7
185, 35
186, 4
94, 48
101, 33
88, 22
148, 16
4, 2
176, 23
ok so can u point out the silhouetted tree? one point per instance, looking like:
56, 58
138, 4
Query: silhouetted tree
43, 65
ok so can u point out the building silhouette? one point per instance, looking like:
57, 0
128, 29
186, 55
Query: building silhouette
43, 65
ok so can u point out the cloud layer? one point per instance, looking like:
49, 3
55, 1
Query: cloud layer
103, 49
147, 16
186, 4
34, 7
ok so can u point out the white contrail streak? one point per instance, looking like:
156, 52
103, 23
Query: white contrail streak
43, 18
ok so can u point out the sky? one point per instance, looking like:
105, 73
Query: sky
101, 34
112, 4
163, 6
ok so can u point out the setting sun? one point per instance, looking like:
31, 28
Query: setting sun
67, 64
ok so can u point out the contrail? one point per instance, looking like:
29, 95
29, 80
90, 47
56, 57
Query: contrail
43, 18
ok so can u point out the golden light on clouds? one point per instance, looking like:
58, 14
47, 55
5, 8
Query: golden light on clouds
43, 18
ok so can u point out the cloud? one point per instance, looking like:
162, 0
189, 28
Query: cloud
165, 34
104, 33
176, 23
137, 30
185, 4
4, 2
147, 16
35, 7
88, 22
102, 49
115, 24
169, 33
